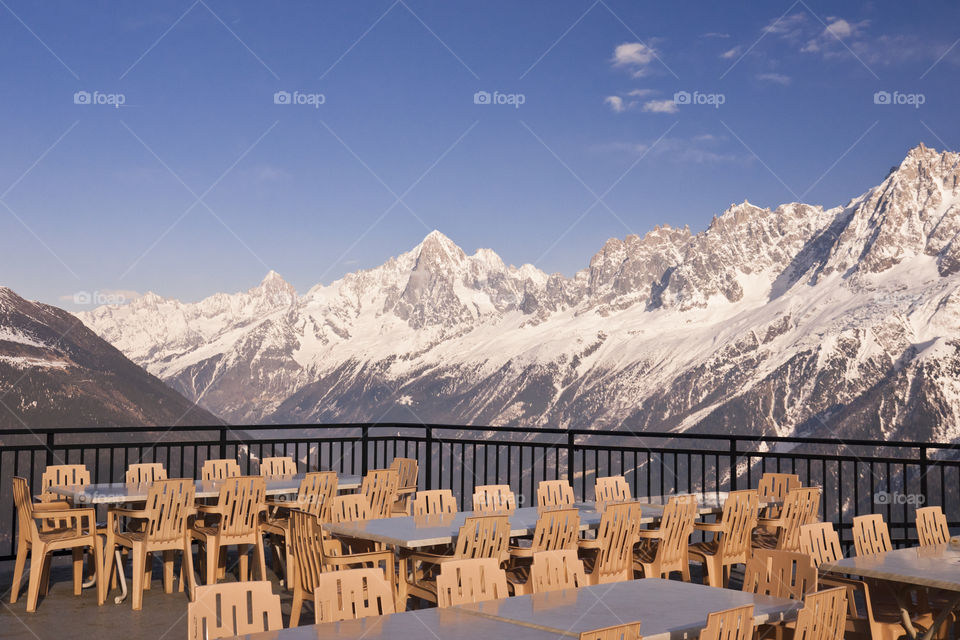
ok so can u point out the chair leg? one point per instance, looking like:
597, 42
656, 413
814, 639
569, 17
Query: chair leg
108, 568
77, 554
97, 556
168, 571
186, 570
296, 606
139, 575
37, 561
222, 564
212, 561
261, 559
45, 578
147, 571
18, 571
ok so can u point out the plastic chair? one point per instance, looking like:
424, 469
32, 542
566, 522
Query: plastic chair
666, 549
235, 522
315, 553
79, 532
730, 624
163, 528
782, 574
823, 616
233, 609
145, 472
380, 488
731, 542
279, 467
820, 541
932, 526
59, 475
611, 489
628, 631
314, 496
556, 570
471, 580
479, 537
554, 493
493, 499
775, 486
609, 557
556, 529
801, 506
870, 535
408, 470
219, 469
350, 594
436, 501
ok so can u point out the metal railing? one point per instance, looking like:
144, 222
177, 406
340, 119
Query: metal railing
857, 476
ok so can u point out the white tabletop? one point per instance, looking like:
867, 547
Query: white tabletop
665, 608
120, 492
447, 624
936, 566
411, 532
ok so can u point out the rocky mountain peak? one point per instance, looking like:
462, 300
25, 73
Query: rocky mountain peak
276, 290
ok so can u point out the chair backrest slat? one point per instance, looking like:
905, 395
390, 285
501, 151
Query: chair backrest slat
483, 537
782, 574
350, 594
350, 507
170, 504
679, 516
494, 498
219, 469
731, 624
380, 488
554, 493
471, 580
627, 631
316, 492
611, 489
243, 499
145, 472
823, 616
739, 518
408, 470
800, 507
820, 541
232, 609
24, 504
775, 486
62, 475
932, 526
617, 533
556, 570
556, 529
278, 467
870, 535
433, 502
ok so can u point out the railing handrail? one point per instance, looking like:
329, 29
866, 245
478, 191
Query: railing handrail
621, 433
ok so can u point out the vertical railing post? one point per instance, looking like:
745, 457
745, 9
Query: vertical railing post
429, 462
50, 460
733, 463
570, 459
364, 454
923, 477
223, 442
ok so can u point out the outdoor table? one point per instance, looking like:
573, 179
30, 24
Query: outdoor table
446, 624
665, 608
410, 533
121, 492
934, 566
709, 503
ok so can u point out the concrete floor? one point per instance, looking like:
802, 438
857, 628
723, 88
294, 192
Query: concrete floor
61, 615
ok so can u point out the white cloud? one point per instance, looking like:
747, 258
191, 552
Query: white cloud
660, 106
635, 56
778, 78
730, 53
715, 34
616, 103
642, 93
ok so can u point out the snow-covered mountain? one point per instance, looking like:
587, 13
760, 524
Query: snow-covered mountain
55, 372
796, 320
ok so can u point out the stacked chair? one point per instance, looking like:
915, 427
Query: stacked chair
664, 550
556, 530
731, 537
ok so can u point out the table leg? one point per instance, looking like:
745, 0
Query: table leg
912, 632
402, 591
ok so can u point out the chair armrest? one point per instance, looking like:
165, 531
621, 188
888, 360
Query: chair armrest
360, 558
650, 534
770, 522
716, 527
521, 552
79, 515
209, 508
589, 544
429, 558
47, 506
129, 513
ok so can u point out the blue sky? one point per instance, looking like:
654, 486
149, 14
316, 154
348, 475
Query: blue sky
200, 182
